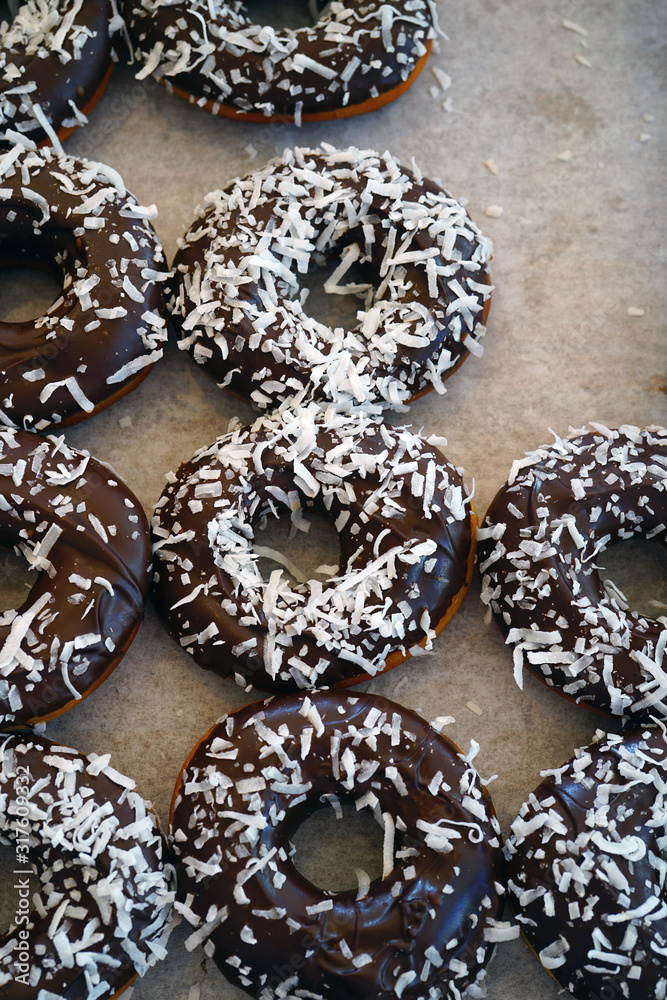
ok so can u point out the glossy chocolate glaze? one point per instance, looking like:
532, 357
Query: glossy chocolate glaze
540, 548
236, 288
65, 66
86, 535
102, 862
212, 599
586, 868
253, 780
106, 329
358, 50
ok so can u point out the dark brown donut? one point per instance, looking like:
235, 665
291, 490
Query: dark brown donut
237, 303
426, 928
357, 57
406, 532
56, 58
102, 335
86, 535
539, 548
106, 902
587, 870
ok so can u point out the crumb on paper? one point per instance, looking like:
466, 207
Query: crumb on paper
491, 166
125, 422
434, 91
582, 60
573, 26
179, 712
635, 311
474, 707
250, 150
444, 79
494, 211
448, 105
644, 137
566, 155
195, 992
648, 117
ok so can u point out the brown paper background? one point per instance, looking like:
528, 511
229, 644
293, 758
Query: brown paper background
579, 241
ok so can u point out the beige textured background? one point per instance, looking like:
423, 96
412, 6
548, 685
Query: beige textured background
579, 241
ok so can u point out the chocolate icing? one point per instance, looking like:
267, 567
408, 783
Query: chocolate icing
236, 288
107, 893
86, 535
405, 537
105, 331
587, 871
358, 50
58, 54
253, 780
539, 551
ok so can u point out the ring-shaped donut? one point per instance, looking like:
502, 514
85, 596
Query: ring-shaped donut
427, 927
104, 911
87, 537
406, 532
56, 58
357, 57
237, 300
104, 332
539, 550
587, 872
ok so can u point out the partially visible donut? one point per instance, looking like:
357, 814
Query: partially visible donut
357, 57
586, 865
406, 532
237, 301
427, 928
103, 334
104, 912
539, 549
87, 537
56, 57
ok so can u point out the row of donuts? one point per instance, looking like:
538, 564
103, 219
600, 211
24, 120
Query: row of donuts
56, 57
235, 291
585, 865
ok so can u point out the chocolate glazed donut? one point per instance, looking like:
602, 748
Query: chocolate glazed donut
539, 552
406, 549
587, 871
103, 912
358, 56
239, 309
426, 928
105, 331
87, 536
56, 58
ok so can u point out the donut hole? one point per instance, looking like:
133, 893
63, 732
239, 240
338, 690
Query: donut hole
335, 309
638, 569
288, 15
29, 290
16, 580
302, 555
329, 851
